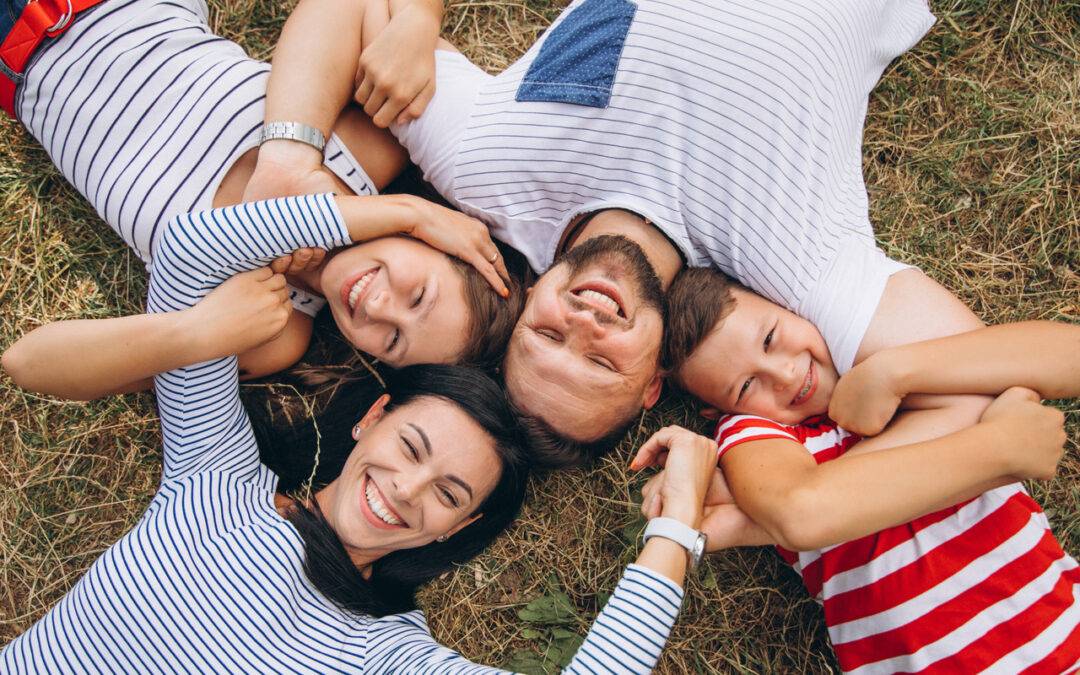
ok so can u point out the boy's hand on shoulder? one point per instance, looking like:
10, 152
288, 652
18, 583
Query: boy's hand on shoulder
866, 398
689, 462
246, 311
1032, 434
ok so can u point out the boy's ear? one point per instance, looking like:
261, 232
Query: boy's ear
652, 390
373, 415
710, 414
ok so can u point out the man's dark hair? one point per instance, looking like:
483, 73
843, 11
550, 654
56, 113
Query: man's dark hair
698, 301
551, 451
395, 577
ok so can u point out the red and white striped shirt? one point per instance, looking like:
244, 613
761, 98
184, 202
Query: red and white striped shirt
983, 585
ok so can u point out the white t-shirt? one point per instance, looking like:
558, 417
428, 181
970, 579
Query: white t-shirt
735, 127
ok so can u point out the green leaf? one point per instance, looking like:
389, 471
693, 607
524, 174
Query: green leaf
708, 579
527, 661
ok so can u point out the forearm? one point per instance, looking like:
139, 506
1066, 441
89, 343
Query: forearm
314, 62
1040, 355
88, 359
808, 506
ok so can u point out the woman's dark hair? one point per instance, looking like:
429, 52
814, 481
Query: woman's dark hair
395, 577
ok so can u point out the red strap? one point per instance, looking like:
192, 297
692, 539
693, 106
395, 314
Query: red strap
39, 19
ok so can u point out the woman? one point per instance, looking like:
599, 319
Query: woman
148, 114
221, 574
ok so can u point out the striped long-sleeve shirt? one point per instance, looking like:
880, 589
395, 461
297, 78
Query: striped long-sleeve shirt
211, 577
735, 126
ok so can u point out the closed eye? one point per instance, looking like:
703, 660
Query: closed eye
549, 334
768, 338
451, 498
393, 341
419, 297
602, 363
745, 388
411, 449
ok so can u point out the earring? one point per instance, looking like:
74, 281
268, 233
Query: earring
441, 539
357, 429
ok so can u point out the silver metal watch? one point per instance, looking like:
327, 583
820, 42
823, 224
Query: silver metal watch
680, 533
293, 131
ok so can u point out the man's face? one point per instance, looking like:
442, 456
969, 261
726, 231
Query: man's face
583, 356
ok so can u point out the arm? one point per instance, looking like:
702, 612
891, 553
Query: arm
806, 506
1039, 355
315, 70
910, 293
88, 359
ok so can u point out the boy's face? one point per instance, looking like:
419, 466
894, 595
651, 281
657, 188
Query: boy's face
762, 360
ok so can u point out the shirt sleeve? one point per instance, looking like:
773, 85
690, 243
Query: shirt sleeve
627, 636
203, 424
734, 430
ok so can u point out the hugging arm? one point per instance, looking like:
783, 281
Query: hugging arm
315, 68
805, 505
1040, 355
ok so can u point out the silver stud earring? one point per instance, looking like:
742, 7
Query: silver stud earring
357, 429
441, 539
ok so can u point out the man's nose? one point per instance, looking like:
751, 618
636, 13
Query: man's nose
583, 323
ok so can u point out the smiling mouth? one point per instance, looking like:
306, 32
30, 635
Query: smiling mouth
808, 388
600, 297
353, 293
377, 510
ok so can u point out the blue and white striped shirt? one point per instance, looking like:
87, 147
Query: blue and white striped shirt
211, 577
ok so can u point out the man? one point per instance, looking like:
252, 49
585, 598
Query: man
702, 132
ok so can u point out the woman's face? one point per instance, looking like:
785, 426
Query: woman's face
417, 473
399, 300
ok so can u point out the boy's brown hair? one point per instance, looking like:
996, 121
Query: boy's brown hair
698, 301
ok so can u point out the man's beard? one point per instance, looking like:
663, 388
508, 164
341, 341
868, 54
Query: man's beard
623, 254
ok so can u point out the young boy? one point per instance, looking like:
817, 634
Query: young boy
973, 579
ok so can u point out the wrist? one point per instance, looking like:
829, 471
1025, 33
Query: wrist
193, 338
294, 155
686, 513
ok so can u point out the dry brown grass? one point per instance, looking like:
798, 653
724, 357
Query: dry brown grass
972, 157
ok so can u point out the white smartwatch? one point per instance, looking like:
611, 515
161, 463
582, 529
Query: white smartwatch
680, 533
293, 131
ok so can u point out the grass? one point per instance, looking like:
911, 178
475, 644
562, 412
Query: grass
972, 159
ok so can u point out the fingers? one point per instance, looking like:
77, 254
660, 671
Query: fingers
648, 454
418, 105
281, 265
364, 88
490, 272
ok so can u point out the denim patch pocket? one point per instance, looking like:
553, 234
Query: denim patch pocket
578, 61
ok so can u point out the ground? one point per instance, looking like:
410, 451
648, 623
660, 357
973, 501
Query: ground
972, 159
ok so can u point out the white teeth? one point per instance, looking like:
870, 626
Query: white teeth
600, 298
806, 386
377, 507
359, 286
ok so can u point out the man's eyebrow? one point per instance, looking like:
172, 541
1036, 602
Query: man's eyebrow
423, 437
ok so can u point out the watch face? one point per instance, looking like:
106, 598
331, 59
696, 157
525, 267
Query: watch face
698, 550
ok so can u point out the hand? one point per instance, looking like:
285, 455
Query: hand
246, 311
689, 462
300, 260
716, 494
395, 78
1032, 434
286, 168
727, 526
866, 398
459, 235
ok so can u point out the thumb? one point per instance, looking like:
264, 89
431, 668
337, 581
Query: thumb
1021, 394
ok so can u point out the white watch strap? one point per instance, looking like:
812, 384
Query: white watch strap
669, 528
293, 131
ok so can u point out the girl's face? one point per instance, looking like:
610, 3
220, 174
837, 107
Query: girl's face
762, 360
417, 473
399, 300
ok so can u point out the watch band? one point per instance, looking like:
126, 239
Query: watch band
680, 533
293, 131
